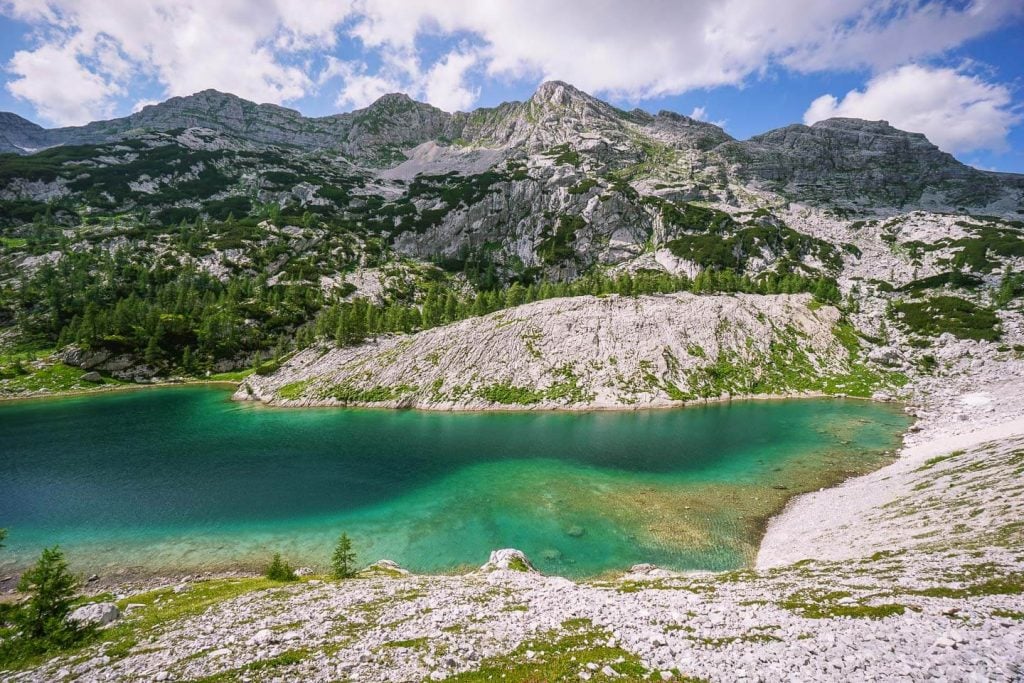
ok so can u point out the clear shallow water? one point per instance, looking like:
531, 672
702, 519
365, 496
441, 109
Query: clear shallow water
184, 479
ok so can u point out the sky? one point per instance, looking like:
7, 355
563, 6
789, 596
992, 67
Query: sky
951, 69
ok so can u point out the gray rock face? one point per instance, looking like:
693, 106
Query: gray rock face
850, 159
96, 614
19, 135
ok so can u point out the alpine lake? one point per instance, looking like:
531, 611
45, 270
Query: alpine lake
182, 479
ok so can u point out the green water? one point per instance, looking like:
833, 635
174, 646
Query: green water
183, 479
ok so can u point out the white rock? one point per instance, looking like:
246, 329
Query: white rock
508, 559
96, 614
263, 637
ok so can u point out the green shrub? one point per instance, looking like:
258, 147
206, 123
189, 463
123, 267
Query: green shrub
941, 314
279, 570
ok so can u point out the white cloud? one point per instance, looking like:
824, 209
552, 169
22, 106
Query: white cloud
268, 50
60, 87
445, 84
701, 114
957, 111
95, 48
653, 48
142, 104
358, 87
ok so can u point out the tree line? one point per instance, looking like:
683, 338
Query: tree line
172, 315
352, 322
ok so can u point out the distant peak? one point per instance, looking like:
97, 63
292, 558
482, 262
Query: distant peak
558, 92
212, 94
393, 99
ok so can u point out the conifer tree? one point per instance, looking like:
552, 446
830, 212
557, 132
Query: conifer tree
52, 589
343, 561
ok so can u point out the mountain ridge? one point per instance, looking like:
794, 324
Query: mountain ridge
858, 163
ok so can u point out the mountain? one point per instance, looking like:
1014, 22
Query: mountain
430, 217
833, 161
870, 160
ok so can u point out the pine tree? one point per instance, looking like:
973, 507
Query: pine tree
516, 295
279, 570
152, 350
52, 589
343, 561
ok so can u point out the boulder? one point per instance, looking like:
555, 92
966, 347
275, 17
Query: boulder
95, 614
886, 355
508, 559
264, 637
92, 376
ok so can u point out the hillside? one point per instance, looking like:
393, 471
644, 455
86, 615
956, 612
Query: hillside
587, 352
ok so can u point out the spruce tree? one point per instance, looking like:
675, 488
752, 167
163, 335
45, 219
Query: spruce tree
52, 589
343, 561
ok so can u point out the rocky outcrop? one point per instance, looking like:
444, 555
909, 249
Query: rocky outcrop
95, 614
581, 353
508, 559
856, 162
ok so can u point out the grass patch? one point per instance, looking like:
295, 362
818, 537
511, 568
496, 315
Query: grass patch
346, 393
811, 605
412, 643
1011, 584
292, 391
561, 656
233, 376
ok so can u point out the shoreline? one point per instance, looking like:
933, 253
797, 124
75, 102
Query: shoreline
128, 577
495, 408
811, 525
299, 404
115, 388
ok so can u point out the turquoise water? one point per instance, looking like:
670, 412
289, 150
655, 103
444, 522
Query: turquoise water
183, 479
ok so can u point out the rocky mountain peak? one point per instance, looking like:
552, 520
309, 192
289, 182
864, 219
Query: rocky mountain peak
396, 101
559, 93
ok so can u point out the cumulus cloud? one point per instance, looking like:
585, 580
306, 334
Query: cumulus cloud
651, 48
54, 79
445, 83
958, 111
274, 50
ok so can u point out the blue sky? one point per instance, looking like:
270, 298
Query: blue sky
953, 70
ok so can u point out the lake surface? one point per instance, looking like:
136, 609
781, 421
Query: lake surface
183, 479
